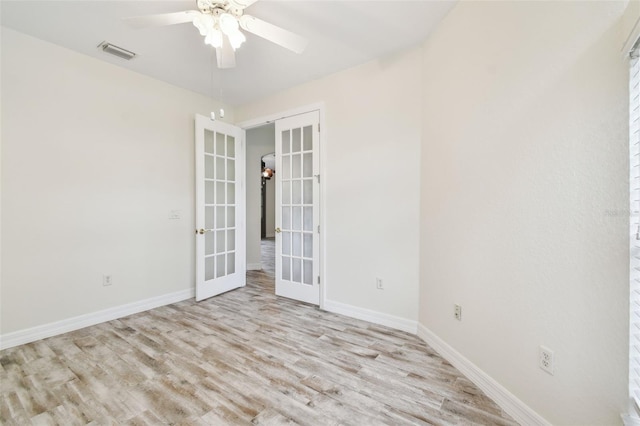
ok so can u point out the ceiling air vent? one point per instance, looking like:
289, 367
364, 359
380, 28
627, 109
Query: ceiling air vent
117, 51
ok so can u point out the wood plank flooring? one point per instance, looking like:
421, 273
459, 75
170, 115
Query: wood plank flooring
245, 357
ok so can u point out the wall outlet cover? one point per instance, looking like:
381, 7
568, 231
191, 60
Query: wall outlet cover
457, 312
546, 359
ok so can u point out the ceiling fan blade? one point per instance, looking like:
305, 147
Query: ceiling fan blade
225, 55
241, 4
273, 33
161, 19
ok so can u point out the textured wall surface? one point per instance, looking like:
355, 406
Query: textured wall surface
524, 199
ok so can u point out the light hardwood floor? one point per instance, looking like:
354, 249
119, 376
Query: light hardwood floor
245, 357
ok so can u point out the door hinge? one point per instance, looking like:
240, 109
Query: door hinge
317, 177
318, 229
318, 127
318, 279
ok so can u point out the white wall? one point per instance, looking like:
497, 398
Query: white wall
94, 157
524, 200
260, 141
372, 125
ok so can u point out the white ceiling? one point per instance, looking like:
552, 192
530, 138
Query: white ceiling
341, 34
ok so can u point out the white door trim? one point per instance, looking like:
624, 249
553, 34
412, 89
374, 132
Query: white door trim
267, 119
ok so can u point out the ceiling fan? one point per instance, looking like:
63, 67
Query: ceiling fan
220, 21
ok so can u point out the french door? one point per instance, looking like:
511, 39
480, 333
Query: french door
297, 207
220, 195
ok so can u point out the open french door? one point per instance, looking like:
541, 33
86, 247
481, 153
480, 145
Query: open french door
297, 207
220, 217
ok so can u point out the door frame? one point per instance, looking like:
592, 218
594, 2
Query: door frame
270, 118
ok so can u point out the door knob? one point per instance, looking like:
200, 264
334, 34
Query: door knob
278, 230
202, 231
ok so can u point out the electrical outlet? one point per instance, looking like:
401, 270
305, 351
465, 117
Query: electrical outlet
457, 312
107, 280
546, 359
379, 285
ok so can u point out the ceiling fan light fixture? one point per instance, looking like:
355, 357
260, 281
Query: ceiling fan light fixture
214, 38
236, 39
204, 23
228, 23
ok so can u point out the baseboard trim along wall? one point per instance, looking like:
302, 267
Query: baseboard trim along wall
375, 317
29, 335
517, 409
630, 420
254, 266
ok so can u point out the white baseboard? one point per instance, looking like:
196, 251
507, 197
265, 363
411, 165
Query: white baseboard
632, 416
372, 316
630, 420
29, 335
517, 409
254, 266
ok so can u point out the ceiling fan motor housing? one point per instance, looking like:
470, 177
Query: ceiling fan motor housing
218, 7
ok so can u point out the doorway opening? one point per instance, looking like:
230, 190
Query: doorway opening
260, 223
299, 233
268, 196
268, 213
